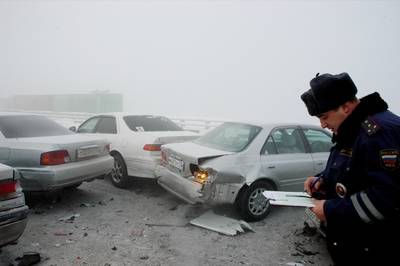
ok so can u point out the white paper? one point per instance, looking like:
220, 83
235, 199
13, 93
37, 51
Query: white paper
286, 198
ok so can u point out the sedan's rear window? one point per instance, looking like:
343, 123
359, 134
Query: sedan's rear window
150, 123
28, 126
232, 137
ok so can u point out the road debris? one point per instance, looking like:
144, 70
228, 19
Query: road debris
167, 225
87, 205
300, 248
69, 219
29, 258
294, 264
221, 224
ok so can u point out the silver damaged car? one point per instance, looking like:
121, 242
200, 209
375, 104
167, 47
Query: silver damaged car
235, 162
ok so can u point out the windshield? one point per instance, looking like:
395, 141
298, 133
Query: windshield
150, 123
28, 126
232, 137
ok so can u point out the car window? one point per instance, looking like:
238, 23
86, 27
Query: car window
27, 126
89, 126
285, 140
106, 125
232, 137
269, 147
318, 140
150, 123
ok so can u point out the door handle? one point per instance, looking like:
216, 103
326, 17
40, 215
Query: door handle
320, 163
271, 166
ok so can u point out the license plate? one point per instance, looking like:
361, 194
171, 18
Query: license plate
175, 162
88, 151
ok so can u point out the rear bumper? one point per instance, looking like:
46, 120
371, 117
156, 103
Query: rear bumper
12, 224
142, 167
183, 188
59, 176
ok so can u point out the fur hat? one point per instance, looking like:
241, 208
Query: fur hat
328, 92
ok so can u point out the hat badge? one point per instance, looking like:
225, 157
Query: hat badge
341, 190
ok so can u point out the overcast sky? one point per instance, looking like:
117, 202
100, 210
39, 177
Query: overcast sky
215, 59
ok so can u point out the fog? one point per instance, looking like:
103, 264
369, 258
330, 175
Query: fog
210, 59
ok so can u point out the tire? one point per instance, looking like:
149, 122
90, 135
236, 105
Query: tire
252, 205
73, 187
119, 173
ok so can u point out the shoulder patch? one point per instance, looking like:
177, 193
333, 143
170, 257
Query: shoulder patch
346, 152
370, 126
390, 159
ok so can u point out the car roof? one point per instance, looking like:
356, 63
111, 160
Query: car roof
17, 113
266, 124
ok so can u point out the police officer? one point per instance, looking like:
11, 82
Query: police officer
359, 190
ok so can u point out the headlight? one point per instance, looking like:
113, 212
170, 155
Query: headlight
201, 176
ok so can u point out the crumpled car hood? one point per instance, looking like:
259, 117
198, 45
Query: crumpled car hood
192, 152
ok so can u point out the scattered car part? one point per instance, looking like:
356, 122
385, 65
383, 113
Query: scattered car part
221, 224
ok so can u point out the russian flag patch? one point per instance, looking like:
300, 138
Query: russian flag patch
390, 159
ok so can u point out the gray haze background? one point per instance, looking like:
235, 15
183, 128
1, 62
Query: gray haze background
211, 59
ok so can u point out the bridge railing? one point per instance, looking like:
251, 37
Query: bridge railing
69, 119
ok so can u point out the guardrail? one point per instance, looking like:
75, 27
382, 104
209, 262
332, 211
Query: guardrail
69, 119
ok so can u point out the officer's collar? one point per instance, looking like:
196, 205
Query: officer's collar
349, 129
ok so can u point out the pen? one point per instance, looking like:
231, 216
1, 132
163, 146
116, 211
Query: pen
314, 182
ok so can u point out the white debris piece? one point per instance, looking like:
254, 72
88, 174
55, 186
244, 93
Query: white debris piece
221, 224
294, 264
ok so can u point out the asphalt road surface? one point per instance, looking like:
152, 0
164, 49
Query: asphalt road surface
98, 224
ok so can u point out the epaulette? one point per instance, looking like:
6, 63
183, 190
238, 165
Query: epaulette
370, 126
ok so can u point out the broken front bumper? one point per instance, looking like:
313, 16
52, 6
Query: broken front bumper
183, 188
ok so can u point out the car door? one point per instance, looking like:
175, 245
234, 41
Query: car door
105, 126
320, 143
4, 150
285, 160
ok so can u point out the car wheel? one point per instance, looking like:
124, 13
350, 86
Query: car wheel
253, 206
74, 186
119, 174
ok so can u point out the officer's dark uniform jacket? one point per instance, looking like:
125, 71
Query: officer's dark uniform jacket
362, 183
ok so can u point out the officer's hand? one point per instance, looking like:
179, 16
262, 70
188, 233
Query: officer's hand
318, 209
312, 184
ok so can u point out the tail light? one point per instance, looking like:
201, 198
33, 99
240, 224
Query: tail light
152, 147
54, 157
9, 187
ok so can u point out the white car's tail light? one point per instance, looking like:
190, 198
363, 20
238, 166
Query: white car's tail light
54, 157
152, 147
9, 187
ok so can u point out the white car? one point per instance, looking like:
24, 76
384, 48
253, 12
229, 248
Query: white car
135, 141
235, 162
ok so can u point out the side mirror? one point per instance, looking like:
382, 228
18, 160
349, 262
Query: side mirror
73, 128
